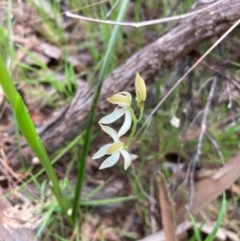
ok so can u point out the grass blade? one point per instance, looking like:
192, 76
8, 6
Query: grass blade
222, 212
27, 127
102, 75
196, 229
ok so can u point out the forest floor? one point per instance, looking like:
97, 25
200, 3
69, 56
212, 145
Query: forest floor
185, 164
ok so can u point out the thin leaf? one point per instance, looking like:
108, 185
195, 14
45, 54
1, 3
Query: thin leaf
222, 212
196, 229
106, 201
102, 75
167, 208
27, 127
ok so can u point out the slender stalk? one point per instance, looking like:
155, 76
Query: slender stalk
10, 34
102, 75
135, 121
133, 130
141, 113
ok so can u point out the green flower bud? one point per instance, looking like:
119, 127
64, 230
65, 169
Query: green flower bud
140, 89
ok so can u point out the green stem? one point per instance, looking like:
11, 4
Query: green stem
141, 113
102, 75
135, 121
132, 133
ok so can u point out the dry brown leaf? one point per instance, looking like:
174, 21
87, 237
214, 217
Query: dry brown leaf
206, 190
236, 189
28, 44
222, 234
210, 188
167, 208
49, 50
160, 236
31, 60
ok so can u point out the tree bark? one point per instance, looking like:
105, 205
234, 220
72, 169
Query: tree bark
183, 38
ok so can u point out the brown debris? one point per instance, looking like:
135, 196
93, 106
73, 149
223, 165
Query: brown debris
81, 60
206, 190
51, 51
39, 49
167, 208
10, 229
182, 228
210, 188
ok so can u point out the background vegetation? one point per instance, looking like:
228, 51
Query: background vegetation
48, 56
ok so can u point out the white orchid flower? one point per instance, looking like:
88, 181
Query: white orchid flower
113, 149
123, 100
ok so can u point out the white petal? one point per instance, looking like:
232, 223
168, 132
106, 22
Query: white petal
101, 152
116, 114
126, 125
110, 161
175, 121
127, 159
111, 132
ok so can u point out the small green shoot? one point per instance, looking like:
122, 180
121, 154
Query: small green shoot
222, 212
196, 229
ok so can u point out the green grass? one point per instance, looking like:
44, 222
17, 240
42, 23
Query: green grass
49, 11
27, 127
222, 212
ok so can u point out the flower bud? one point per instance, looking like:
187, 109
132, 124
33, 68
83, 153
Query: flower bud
140, 89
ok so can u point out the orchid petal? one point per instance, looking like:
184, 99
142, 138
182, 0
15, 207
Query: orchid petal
110, 161
127, 159
101, 152
129, 96
111, 132
116, 114
127, 123
119, 99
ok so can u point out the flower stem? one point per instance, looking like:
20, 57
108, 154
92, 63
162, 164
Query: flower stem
141, 113
132, 133
135, 121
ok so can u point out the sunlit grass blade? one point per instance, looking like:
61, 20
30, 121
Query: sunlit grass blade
102, 75
196, 229
106, 201
27, 127
222, 212
46, 220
